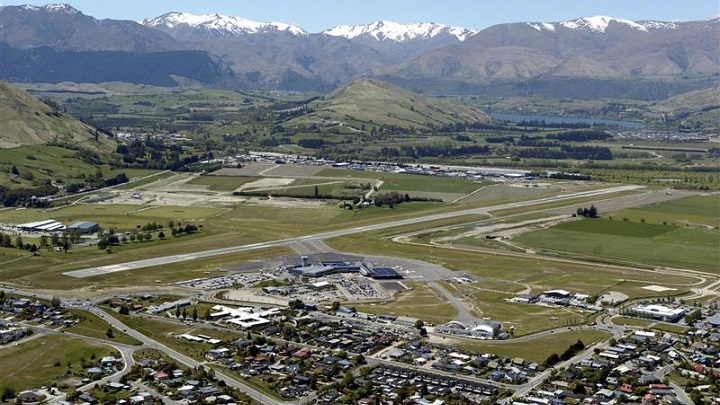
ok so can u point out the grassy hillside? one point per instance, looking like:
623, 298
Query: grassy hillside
367, 103
42, 143
699, 109
28, 121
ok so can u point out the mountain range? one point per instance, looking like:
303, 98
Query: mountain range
588, 56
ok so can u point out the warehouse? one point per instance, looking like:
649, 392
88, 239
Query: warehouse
84, 227
48, 225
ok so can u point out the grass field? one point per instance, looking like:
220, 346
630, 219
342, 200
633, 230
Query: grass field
632, 242
45, 360
409, 182
540, 275
524, 318
45, 271
639, 323
144, 182
698, 210
540, 349
420, 302
666, 327
93, 326
221, 183
121, 216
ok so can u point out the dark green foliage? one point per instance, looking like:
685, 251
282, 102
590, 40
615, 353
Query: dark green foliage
591, 212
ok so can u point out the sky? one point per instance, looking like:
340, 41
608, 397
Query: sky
319, 15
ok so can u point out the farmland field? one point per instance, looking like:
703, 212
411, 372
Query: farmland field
540, 349
632, 242
46, 360
697, 210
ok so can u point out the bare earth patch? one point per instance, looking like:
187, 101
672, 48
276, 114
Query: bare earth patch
253, 169
658, 288
270, 182
294, 171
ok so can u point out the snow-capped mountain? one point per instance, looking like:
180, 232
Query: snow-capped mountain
46, 43
217, 24
57, 7
392, 31
599, 24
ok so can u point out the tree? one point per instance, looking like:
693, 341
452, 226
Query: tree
66, 247
592, 212
55, 302
419, 324
348, 380
33, 249
552, 360
103, 244
317, 192
335, 306
19, 242
7, 394
110, 333
161, 235
14, 171
194, 314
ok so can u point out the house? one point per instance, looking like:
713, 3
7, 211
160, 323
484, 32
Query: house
208, 390
88, 398
186, 391
28, 396
108, 361
301, 379
161, 376
136, 399
303, 353
95, 371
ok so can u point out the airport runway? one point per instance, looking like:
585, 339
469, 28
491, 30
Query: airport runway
159, 261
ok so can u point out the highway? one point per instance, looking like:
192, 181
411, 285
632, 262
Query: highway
158, 261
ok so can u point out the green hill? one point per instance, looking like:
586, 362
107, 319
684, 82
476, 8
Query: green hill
368, 103
39, 145
699, 109
29, 121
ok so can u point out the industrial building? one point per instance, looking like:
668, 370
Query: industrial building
380, 273
326, 268
660, 312
84, 227
48, 225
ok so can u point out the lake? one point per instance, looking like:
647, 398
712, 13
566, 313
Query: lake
550, 119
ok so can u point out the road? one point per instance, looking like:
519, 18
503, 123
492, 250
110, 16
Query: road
126, 352
139, 264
